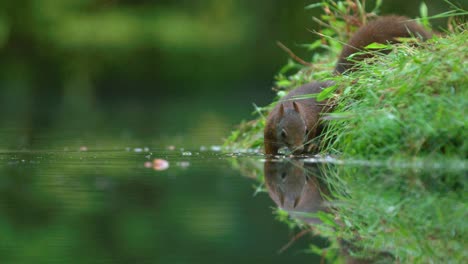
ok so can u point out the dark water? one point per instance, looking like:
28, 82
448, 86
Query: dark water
79, 203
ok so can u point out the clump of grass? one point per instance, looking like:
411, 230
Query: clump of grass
409, 103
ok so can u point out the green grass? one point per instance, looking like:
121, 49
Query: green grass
409, 103
405, 112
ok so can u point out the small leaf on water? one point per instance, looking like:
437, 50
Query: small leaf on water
160, 164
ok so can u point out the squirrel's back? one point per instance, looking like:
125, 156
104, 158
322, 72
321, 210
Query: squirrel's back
385, 29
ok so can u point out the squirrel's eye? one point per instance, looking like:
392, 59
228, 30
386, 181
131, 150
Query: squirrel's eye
283, 175
283, 133
307, 132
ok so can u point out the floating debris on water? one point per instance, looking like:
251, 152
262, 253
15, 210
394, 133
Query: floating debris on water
171, 147
183, 164
138, 150
203, 148
186, 153
83, 148
256, 150
215, 148
148, 164
160, 164
145, 149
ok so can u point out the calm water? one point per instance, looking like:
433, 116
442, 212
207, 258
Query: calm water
85, 204
74, 186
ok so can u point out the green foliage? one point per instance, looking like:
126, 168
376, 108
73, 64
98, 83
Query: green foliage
396, 105
424, 15
408, 103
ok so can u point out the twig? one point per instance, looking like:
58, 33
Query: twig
293, 56
293, 239
323, 259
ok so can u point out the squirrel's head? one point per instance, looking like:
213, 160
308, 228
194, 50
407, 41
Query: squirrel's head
291, 127
293, 186
285, 182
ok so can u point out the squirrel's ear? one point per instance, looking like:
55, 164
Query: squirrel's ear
281, 111
296, 107
296, 201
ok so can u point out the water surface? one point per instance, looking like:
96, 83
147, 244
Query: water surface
85, 204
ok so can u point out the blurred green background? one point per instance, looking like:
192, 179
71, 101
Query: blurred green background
166, 68
113, 75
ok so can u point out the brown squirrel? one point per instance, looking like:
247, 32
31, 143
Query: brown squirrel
383, 30
294, 122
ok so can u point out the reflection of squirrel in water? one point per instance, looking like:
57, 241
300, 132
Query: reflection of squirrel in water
293, 123
297, 187
294, 186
